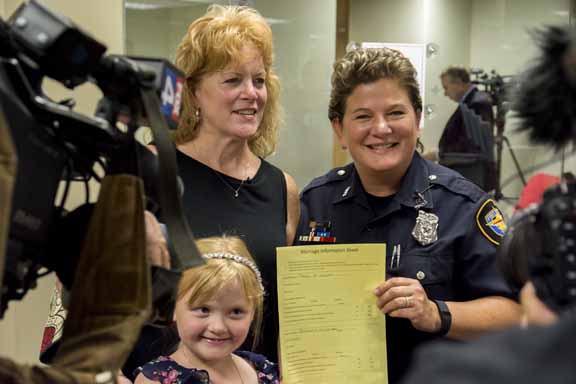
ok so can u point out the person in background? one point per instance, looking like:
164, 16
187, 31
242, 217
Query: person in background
466, 144
441, 230
458, 88
228, 125
217, 305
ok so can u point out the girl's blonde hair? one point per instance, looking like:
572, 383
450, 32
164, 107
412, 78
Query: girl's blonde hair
215, 41
206, 280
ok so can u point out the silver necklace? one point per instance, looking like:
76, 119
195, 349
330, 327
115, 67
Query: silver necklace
236, 191
227, 184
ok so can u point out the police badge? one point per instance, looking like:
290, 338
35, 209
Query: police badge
425, 230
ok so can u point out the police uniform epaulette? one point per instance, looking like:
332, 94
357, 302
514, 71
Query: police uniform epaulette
456, 183
461, 186
334, 175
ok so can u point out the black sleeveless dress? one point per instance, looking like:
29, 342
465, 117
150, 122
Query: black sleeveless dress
257, 216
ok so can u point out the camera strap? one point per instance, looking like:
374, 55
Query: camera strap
7, 177
181, 238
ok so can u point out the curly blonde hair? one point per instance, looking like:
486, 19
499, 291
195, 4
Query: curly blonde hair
215, 41
206, 280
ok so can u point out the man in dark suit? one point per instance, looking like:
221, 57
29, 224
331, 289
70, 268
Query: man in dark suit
466, 144
457, 86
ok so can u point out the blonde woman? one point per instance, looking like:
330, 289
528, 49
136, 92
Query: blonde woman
229, 124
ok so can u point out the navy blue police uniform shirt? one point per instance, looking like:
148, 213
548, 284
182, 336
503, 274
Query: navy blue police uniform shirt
459, 266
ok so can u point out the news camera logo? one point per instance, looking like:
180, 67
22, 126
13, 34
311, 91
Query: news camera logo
171, 97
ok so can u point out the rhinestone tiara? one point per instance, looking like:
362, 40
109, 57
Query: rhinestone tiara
238, 259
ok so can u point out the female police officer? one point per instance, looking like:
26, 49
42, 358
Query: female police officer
440, 229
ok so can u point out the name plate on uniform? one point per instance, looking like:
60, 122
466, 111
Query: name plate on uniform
331, 330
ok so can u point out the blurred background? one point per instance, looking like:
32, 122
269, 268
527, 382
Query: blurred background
492, 35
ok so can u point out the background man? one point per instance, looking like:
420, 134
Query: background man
457, 86
462, 147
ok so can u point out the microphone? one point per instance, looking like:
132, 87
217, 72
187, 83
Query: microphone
546, 97
169, 85
118, 76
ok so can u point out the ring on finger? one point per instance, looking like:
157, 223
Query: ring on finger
406, 302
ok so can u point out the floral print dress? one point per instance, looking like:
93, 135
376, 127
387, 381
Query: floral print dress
167, 371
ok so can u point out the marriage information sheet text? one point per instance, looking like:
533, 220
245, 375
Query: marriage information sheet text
331, 330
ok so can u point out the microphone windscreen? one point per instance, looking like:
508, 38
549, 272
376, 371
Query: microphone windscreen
546, 96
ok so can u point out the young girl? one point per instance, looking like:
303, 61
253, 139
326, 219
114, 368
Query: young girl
216, 305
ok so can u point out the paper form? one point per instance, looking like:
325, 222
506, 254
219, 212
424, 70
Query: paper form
330, 328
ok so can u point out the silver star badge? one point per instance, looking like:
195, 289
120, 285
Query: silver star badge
425, 230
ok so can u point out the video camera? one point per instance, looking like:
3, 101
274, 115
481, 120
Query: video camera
53, 143
540, 246
500, 88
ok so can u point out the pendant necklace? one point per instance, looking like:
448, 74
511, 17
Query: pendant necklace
227, 184
235, 191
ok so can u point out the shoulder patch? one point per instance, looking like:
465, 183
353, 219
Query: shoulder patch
490, 221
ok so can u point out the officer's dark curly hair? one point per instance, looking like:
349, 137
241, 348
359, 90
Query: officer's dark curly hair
367, 65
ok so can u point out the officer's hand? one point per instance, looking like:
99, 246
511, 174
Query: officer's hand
406, 298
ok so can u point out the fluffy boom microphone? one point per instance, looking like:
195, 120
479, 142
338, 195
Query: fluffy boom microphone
546, 97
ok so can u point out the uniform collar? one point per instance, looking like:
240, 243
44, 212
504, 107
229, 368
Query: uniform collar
415, 180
